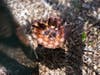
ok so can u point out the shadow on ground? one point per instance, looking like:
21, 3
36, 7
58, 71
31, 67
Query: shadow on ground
13, 67
8, 38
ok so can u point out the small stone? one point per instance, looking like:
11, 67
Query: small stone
94, 13
86, 6
88, 48
84, 72
98, 71
95, 67
3, 71
98, 16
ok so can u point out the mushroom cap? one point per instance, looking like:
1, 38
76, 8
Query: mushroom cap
49, 33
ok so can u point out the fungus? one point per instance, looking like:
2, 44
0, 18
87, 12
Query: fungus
49, 33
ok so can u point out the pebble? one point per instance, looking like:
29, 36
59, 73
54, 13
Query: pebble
3, 71
88, 48
86, 6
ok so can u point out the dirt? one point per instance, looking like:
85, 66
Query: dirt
83, 45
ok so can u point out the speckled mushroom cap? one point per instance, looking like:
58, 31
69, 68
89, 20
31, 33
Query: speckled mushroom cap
49, 33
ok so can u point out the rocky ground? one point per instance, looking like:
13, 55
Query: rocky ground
83, 48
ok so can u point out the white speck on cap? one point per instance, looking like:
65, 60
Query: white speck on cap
50, 45
51, 42
56, 43
40, 40
62, 39
42, 32
45, 43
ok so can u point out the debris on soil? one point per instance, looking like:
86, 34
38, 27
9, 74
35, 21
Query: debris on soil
81, 55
